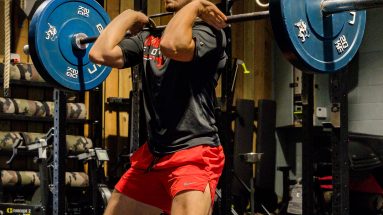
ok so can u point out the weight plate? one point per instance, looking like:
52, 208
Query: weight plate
313, 41
52, 48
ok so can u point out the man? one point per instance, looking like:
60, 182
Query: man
177, 170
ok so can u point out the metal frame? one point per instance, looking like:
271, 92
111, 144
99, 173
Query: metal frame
226, 117
44, 187
340, 161
339, 142
59, 152
307, 143
134, 115
93, 188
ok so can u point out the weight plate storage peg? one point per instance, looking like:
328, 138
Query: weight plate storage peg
55, 31
314, 41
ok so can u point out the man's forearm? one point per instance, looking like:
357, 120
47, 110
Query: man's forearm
106, 50
177, 40
116, 30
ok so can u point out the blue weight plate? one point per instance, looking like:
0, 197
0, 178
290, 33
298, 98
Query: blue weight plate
52, 28
315, 42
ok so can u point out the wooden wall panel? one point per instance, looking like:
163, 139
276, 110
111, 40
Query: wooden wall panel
249, 49
238, 47
252, 43
19, 32
124, 83
263, 78
164, 19
112, 7
110, 117
158, 6
20, 37
111, 84
126, 4
154, 7
118, 84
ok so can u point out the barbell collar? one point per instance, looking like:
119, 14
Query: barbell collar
337, 6
76, 41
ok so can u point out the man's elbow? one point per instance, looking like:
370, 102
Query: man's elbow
113, 58
176, 52
96, 57
168, 48
99, 57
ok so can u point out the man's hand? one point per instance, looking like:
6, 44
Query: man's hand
209, 13
177, 41
139, 20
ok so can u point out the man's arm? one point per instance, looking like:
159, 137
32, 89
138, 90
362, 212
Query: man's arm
177, 41
105, 50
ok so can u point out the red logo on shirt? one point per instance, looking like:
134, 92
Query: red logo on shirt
152, 50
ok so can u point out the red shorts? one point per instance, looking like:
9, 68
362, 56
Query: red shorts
189, 169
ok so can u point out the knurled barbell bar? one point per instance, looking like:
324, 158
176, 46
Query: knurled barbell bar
230, 19
314, 35
80, 41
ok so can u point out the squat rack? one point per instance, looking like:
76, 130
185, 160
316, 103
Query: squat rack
340, 161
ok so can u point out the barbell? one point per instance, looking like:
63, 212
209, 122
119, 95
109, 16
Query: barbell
315, 35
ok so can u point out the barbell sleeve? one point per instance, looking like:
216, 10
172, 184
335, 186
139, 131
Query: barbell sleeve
92, 39
337, 6
88, 40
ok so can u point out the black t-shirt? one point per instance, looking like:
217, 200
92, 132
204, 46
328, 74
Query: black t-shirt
179, 96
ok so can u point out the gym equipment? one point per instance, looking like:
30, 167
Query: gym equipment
99, 193
315, 35
251, 158
55, 30
314, 39
230, 19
